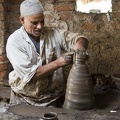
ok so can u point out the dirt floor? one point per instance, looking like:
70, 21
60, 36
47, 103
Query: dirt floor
107, 105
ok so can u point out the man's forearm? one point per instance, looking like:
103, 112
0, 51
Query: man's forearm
45, 70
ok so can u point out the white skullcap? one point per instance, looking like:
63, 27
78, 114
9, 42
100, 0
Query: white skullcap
30, 7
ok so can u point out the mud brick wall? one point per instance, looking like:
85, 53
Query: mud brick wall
103, 35
4, 29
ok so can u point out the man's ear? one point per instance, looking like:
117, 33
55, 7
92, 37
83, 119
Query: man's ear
21, 19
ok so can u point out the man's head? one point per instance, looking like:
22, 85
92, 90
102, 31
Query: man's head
32, 17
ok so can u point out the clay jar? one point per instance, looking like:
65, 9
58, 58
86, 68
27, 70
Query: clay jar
50, 116
79, 91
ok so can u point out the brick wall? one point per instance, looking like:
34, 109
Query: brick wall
4, 8
103, 35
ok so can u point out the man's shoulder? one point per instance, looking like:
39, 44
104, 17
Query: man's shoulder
15, 37
16, 34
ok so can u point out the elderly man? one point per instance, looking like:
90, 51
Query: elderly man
35, 53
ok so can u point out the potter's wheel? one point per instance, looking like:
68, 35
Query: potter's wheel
66, 114
35, 111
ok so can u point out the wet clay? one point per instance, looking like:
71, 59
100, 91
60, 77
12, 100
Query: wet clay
79, 91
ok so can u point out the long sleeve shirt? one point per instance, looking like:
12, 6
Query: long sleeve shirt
25, 60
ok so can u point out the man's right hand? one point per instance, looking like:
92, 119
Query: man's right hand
65, 59
44, 70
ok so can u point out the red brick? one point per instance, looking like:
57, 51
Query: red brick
2, 33
67, 0
66, 15
1, 8
15, 8
3, 66
16, 2
3, 75
49, 17
50, 1
89, 27
116, 6
4, 1
2, 48
3, 25
116, 26
3, 58
64, 7
3, 16
116, 15
14, 26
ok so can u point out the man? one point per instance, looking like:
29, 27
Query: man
35, 53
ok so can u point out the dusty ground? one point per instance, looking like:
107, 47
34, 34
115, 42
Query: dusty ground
107, 106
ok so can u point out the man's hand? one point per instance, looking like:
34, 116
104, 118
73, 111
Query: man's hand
65, 59
44, 70
68, 57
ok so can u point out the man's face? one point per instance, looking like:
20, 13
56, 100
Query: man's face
33, 24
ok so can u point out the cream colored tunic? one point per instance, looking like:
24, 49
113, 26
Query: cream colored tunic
24, 58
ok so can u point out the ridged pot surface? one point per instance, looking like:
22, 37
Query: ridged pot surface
79, 91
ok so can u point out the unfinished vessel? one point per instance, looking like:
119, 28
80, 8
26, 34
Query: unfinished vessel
79, 91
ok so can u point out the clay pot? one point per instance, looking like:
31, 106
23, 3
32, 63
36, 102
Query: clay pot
50, 116
79, 91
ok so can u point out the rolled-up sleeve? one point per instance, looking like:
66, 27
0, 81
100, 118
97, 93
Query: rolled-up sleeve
20, 60
67, 39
